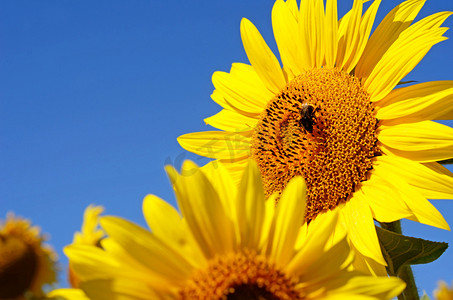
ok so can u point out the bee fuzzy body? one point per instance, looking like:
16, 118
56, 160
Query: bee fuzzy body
307, 117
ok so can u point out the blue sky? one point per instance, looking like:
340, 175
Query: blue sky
94, 93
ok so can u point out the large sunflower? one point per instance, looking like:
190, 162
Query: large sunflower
229, 243
332, 114
26, 263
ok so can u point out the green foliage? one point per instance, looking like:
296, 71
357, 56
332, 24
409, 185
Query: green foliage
400, 250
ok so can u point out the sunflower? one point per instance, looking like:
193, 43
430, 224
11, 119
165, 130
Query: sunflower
334, 113
26, 263
90, 234
443, 292
229, 243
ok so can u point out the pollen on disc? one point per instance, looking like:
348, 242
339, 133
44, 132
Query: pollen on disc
238, 276
331, 145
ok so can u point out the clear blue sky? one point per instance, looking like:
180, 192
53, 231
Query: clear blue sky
94, 93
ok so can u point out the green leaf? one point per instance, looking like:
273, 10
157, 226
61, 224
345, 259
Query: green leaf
400, 250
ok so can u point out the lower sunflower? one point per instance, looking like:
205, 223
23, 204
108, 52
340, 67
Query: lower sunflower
331, 114
228, 243
26, 263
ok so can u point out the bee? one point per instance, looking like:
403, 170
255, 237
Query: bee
307, 117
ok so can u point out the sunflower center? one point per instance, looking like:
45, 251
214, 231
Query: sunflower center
322, 126
18, 264
241, 276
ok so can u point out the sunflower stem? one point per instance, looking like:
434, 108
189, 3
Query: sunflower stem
410, 292
405, 273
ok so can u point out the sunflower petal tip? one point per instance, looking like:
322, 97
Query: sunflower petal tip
246, 25
445, 225
171, 173
149, 198
300, 181
188, 167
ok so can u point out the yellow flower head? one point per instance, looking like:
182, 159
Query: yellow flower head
26, 263
443, 292
89, 235
333, 115
228, 243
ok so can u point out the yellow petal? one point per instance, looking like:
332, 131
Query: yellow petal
67, 294
316, 241
379, 287
307, 34
288, 215
134, 269
419, 102
250, 206
405, 53
349, 296
325, 266
235, 167
318, 18
229, 120
118, 289
146, 248
385, 35
223, 183
432, 180
162, 218
242, 88
261, 57
90, 234
385, 202
331, 33
311, 30
233, 92
268, 228
202, 209
292, 5
360, 226
349, 34
219, 98
284, 24
366, 265
426, 213
216, 144
166, 224
421, 209
364, 31
90, 262
247, 74
428, 140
